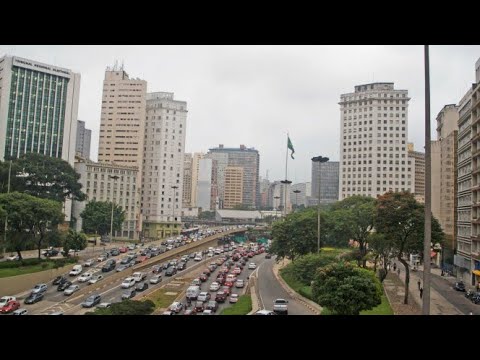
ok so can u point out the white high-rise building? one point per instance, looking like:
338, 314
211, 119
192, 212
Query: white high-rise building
163, 161
373, 141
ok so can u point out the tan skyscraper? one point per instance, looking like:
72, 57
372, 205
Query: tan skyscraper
417, 159
195, 171
444, 173
187, 181
233, 193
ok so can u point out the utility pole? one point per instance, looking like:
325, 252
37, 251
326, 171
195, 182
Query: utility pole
428, 192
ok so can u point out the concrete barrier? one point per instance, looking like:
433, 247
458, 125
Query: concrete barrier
22, 283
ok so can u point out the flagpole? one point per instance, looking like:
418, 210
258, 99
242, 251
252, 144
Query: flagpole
286, 178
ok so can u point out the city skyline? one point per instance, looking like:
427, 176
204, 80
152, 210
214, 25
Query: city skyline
285, 88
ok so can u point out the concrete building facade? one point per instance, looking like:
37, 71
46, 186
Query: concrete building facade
187, 181
417, 160
204, 185
328, 174
84, 139
195, 172
98, 185
163, 160
233, 188
373, 141
305, 192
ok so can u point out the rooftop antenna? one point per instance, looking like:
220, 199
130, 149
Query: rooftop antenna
115, 67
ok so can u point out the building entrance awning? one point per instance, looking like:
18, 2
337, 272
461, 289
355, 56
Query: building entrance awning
476, 272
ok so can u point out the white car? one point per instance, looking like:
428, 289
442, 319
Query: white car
104, 305
207, 312
214, 286
71, 289
13, 258
95, 279
239, 283
20, 312
155, 279
233, 298
77, 269
5, 299
198, 257
176, 307
89, 262
128, 283
85, 277
210, 254
139, 276
252, 266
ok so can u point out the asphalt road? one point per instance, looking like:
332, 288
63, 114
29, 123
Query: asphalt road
270, 289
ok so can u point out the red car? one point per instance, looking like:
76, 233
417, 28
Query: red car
228, 283
226, 290
203, 278
12, 305
123, 250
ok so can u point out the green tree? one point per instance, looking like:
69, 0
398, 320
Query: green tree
354, 217
305, 267
30, 218
97, 217
126, 307
401, 219
382, 250
46, 177
74, 240
346, 289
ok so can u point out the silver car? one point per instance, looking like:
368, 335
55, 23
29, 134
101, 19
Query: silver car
39, 288
71, 289
155, 279
95, 279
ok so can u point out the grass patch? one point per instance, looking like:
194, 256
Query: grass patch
242, 307
161, 299
25, 270
29, 266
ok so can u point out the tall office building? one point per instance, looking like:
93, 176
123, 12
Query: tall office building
264, 185
328, 173
84, 138
164, 155
444, 176
38, 109
204, 185
417, 160
187, 181
246, 158
373, 142
299, 199
122, 119
221, 162
233, 195
99, 184
195, 173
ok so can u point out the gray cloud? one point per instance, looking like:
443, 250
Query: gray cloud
253, 95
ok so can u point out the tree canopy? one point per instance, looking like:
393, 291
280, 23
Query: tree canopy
126, 307
97, 217
346, 289
74, 240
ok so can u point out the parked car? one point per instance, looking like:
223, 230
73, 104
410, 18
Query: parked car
13, 258
129, 294
91, 301
128, 283
33, 298
95, 279
155, 279
141, 287
59, 280
20, 312
12, 305
459, 286
123, 249
71, 289
64, 285
39, 288
103, 257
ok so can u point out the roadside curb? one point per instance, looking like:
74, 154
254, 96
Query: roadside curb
315, 308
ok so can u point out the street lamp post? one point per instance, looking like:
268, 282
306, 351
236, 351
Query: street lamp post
296, 197
319, 160
174, 187
114, 178
276, 207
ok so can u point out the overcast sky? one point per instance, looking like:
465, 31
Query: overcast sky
253, 95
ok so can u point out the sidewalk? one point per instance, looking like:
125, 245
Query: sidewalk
438, 304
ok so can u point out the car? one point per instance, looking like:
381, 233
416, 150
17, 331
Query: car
459, 286
12, 305
128, 283
204, 296
13, 258
226, 290
197, 257
212, 305
20, 312
280, 306
129, 294
265, 312
155, 279
5, 299
121, 268
181, 266
268, 256
104, 305
199, 306
176, 307
172, 270
109, 266
189, 312
132, 247
252, 266
168, 312
114, 252
85, 277
123, 249
157, 269
76, 270
95, 279
89, 262
50, 252
33, 298
203, 277
221, 296
239, 283
125, 260
141, 287
71, 289
91, 301
212, 267
237, 271
139, 276
59, 280
103, 257
39, 288
64, 285
207, 312
214, 286
140, 259
192, 256
233, 298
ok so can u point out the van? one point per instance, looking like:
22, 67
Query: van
193, 292
77, 269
